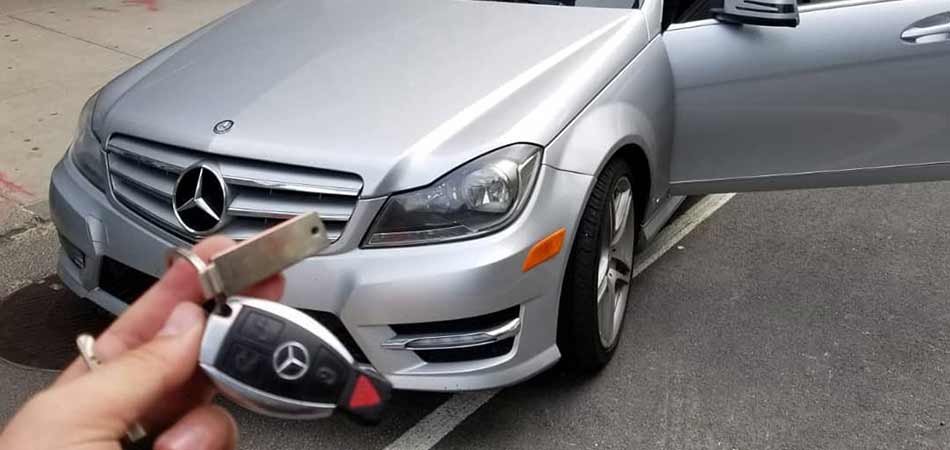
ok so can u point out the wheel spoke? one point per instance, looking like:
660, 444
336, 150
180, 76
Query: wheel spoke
605, 309
604, 288
620, 211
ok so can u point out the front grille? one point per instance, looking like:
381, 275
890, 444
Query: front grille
143, 175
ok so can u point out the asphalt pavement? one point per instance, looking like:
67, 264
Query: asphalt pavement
811, 319
799, 320
794, 320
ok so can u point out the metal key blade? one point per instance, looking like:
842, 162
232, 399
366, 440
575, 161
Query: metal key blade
268, 253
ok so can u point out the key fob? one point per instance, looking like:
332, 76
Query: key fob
275, 360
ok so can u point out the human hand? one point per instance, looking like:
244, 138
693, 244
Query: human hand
149, 375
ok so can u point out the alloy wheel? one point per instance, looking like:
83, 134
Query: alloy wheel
615, 262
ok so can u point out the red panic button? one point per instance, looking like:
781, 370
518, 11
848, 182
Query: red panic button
364, 394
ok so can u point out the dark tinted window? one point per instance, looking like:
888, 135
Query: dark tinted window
679, 11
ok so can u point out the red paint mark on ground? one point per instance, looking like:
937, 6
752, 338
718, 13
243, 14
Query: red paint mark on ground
152, 5
11, 187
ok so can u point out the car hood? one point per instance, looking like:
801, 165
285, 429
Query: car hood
397, 91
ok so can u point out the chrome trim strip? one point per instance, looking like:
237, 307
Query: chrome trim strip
279, 185
504, 331
274, 214
168, 167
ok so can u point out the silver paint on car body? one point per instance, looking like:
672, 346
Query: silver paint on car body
370, 75
811, 106
361, 286
403, 91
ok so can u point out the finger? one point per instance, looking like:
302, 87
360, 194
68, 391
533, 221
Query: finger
269, 289
125, 390
180, 283
198, 391
209, 427
140, 321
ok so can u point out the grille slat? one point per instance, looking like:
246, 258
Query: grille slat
159, 183
143, 177
243, 228
271, 203
145, 204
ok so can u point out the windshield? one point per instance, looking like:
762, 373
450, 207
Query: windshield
627, 4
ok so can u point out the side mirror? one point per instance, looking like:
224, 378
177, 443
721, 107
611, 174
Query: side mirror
775, 13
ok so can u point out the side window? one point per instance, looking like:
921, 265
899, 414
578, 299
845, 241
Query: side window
679, 11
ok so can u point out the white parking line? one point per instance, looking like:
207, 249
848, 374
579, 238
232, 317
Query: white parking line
439, 423
679, 228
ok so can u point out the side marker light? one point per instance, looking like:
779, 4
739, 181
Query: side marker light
544, 250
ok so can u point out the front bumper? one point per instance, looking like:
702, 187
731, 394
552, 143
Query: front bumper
370, 290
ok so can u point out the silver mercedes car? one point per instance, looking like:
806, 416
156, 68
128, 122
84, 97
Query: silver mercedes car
488, 170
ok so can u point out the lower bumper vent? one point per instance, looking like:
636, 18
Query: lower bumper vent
335, 325
123, 282
468, 339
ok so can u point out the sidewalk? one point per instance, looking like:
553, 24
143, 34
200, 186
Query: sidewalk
55, 54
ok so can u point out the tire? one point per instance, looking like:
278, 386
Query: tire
583, 337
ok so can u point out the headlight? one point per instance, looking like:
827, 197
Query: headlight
86, 149
478, 198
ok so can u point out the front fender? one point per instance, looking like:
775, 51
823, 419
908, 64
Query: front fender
635, 109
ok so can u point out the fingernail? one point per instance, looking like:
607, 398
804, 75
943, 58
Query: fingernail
184, 317
181, 438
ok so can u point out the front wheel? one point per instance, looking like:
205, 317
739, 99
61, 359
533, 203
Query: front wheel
597, 280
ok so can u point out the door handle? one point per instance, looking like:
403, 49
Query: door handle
932, 29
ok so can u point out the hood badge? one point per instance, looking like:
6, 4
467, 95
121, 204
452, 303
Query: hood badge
223, 127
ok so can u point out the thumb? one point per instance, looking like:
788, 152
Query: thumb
121, 392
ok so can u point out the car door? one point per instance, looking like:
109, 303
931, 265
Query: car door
858, 93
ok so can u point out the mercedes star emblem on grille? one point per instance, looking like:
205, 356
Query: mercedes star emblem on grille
201, 199
223, 126
291, 360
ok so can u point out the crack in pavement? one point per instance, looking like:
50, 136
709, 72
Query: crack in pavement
53, 30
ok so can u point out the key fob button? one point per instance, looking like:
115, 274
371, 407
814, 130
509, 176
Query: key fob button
244, 359
260, 328
327, 376
329, 371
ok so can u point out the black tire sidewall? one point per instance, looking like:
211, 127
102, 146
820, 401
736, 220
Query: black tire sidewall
578, 335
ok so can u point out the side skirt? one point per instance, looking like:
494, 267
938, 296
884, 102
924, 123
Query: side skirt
652, 227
